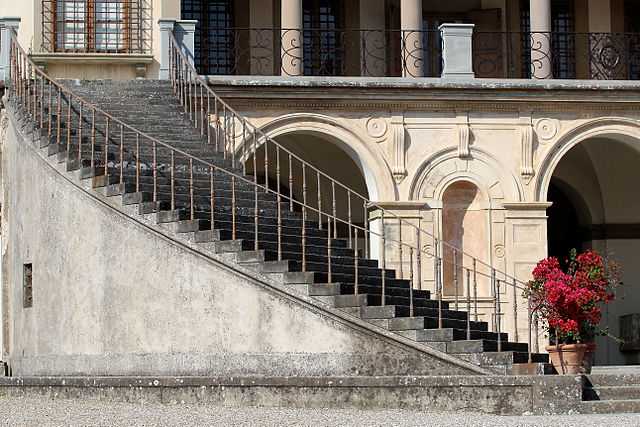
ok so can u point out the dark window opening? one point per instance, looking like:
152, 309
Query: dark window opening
27, 285
214, 37
323, 24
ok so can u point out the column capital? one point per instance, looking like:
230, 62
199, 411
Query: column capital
526, 209
10, 22
187, 25
166, 24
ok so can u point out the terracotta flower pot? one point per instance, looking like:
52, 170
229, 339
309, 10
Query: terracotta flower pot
571, 359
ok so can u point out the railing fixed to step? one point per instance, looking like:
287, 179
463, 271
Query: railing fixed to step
122, 155
335, 206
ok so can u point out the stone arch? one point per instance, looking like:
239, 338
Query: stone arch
618, 128
446, 167
366, 156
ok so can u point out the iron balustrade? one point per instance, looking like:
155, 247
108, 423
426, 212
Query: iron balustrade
119, 154
321, 52
544, 55
333, 205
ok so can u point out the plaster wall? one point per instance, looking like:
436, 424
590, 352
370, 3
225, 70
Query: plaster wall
112, 298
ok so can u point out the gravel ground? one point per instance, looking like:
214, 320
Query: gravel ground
45, 412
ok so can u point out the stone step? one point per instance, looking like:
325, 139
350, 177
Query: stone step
446, 334
610, 406
334, 289
323, 266
629, 392
423, 318
372, 300
612, 380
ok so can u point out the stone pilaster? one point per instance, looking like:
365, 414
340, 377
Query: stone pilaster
526, 244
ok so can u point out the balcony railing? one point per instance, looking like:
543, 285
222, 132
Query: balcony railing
597, 56
398, 53
319, 52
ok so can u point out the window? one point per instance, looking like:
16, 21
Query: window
104, 26
214, 38
323, 38
27, 286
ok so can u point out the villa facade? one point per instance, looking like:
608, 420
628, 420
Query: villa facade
508, 129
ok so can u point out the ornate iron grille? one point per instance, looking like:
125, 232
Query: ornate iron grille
101, 26
215, 39
563, 42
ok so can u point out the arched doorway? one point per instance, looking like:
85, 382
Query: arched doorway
596, 205
306, 185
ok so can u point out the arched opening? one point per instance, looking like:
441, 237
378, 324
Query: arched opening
464, 222
565, 230
306, 186
596, 205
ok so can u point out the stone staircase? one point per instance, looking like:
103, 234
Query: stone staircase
612, 392
152, 108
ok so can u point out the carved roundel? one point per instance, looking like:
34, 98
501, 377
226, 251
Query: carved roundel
499, 251
376, 127
547, 129
427, 250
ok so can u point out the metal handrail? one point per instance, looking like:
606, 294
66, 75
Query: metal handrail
193, 74
27, 88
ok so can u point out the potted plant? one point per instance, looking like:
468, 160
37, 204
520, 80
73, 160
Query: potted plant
570, 302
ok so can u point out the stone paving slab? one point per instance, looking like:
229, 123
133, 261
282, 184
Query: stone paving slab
43, 412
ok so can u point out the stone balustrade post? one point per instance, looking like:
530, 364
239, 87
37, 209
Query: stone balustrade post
166, 27
457, 51
185, 32
7, 26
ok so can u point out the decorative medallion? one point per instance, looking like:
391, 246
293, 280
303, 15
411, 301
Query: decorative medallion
427, 251
499, 251
547, 129
376, 127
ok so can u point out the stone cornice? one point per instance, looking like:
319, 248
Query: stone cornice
567, 97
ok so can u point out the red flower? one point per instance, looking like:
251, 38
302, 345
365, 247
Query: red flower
571, 300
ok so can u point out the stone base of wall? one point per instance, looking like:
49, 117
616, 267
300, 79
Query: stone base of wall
489, 394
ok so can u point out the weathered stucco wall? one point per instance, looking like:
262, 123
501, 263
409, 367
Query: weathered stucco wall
112, 298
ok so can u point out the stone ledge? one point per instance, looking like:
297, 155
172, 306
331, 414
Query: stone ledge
91, 58
489, 394
422, 83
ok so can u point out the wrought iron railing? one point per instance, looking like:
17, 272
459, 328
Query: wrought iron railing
119, 154
599, 56
320, 52
333, 205
90, 26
